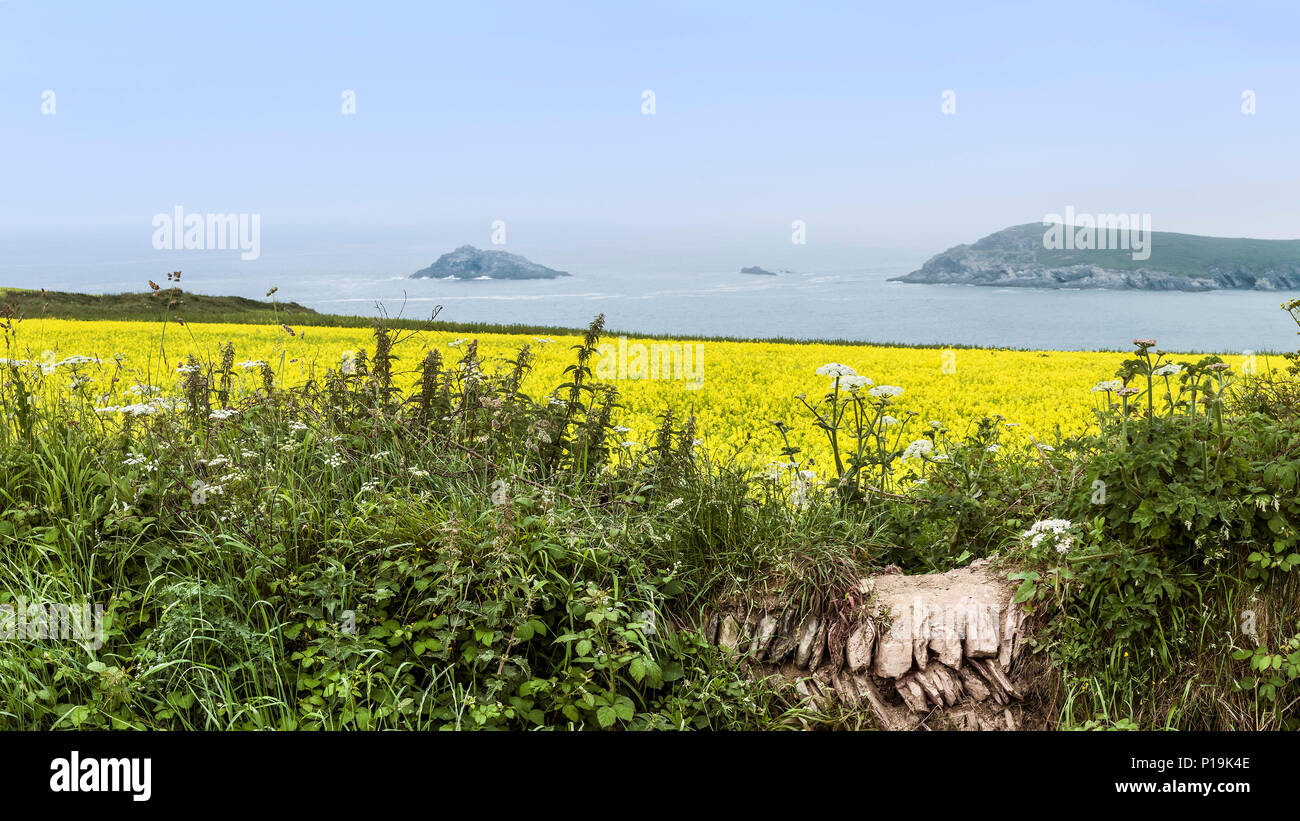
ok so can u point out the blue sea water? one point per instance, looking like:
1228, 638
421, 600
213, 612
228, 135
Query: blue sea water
843, 298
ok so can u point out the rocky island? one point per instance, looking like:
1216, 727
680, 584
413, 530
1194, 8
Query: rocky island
468, 262
1027, 256
754, 269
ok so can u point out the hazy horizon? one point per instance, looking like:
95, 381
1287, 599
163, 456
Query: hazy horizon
763, 114
652, 150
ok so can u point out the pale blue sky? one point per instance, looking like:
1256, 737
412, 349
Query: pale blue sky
766, 112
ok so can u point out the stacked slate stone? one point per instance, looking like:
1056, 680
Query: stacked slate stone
909, 647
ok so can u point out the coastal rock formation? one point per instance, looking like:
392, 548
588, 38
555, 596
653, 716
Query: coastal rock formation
938, 649
468, 262
1018, 257
754, 269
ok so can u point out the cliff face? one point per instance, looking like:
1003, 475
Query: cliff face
1016, 257
1035, 275
468, 262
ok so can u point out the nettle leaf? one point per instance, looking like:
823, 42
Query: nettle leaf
624, 708
606, 717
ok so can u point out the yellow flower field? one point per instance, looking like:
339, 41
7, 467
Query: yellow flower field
744, 385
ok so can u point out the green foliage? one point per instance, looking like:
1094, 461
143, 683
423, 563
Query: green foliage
338, 556
1179, 506
1273, 674
344, 556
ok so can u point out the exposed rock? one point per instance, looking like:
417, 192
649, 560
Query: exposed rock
729, 634
468, 262
945, 642
921, 633
1012, 618
762, 637
1020, 257
888, 716
750, 630
913, 695
844, 686
787, 637
928, 685
948, 651
894, 649
809, 632
946, 680
754, 269
711, 628
859, 644
818, 648
973, 684
992, 672
982, 633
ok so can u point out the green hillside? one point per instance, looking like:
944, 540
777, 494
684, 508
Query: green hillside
1172, 253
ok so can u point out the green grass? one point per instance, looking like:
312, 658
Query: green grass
153, 306
343, 556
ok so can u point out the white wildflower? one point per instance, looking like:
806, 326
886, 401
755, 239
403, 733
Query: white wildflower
854, 383
918, 450
836, 370
1054, 529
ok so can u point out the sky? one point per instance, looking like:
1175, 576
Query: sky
764, 113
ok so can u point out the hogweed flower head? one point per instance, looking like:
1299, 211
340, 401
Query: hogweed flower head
835, 370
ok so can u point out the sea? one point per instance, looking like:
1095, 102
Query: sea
686, 294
